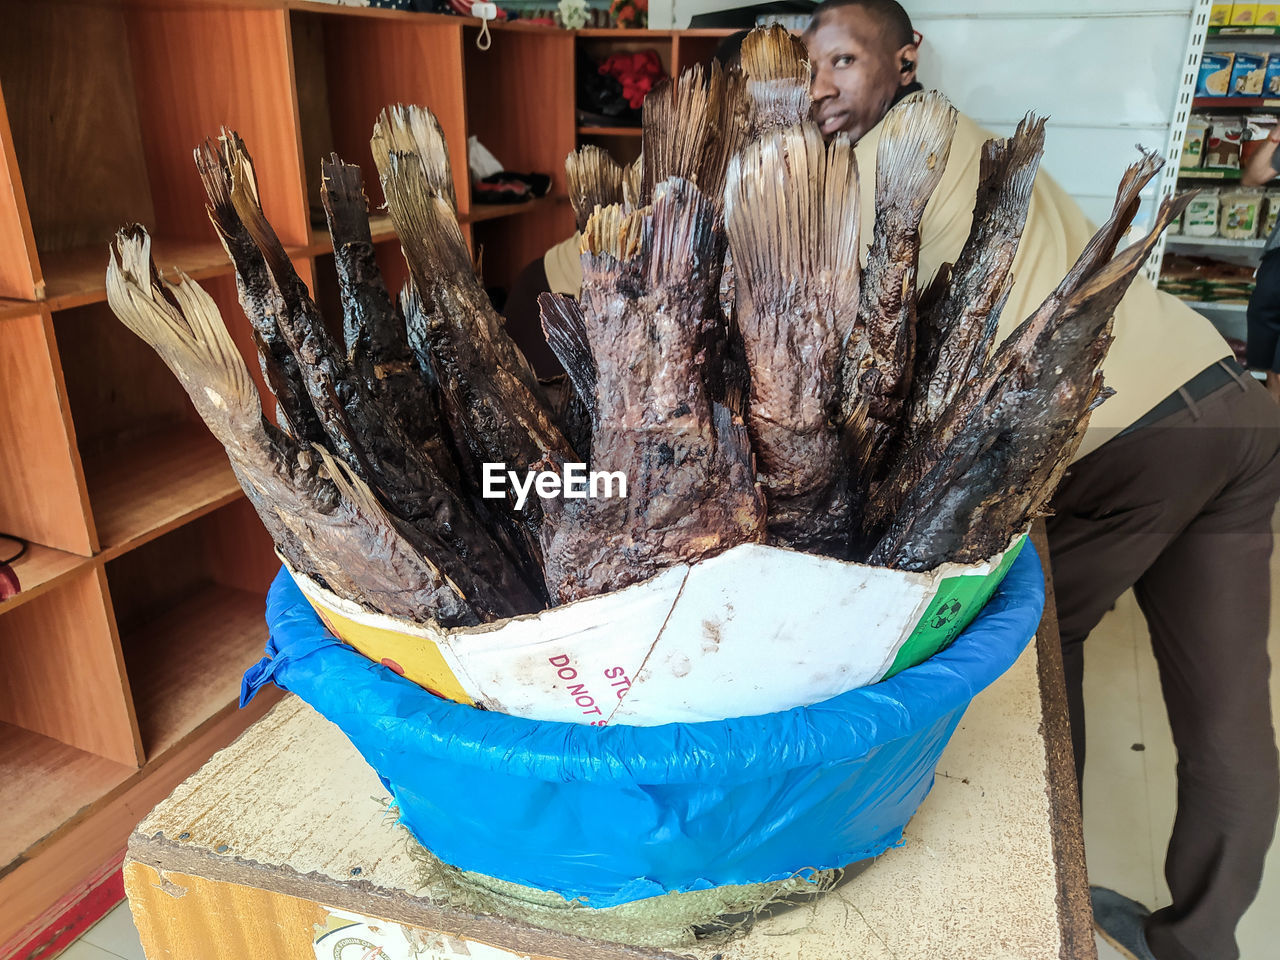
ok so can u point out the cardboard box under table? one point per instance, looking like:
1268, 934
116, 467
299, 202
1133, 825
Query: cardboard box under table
282, 847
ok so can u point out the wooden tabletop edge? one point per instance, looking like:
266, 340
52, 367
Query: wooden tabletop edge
1066, 823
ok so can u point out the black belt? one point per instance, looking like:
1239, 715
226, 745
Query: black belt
1205, 382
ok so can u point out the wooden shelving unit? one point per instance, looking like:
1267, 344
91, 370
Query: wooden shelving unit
145, 580
677, 49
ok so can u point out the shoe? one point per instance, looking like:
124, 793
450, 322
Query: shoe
1120, 921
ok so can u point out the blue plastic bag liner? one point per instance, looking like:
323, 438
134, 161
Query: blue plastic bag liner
619, 813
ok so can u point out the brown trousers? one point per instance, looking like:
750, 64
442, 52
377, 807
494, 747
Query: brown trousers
1180, 511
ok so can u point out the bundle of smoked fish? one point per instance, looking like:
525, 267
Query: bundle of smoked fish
728, 355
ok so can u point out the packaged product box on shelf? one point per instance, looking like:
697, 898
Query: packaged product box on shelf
1244, 14
1202, 214
1222, 148
1270, 213
1269, 14
1215, 75
1220, 15
1257, 128
1240, 212
1271, 82
1247, 75
1202, 278
1193, 142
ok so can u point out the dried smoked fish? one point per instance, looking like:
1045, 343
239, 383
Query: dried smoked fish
910, 160
1033, 408
791, 213
479, 366
691, 486
497, 577
956, 336
927, 448
253, 285
693, 125
376, 341
325, 521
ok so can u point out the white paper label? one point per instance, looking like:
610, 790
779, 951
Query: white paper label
350, 936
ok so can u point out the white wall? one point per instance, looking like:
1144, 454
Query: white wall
1106, 73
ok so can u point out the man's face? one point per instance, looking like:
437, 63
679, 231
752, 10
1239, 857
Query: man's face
857, 71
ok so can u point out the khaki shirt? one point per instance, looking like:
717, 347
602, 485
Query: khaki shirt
1160, 343
563, 264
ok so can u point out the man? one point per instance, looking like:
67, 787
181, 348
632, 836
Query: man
1172, 494
1263, 346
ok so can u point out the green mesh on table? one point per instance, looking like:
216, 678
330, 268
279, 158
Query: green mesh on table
666, 922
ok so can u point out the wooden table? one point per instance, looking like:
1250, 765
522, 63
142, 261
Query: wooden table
284, 836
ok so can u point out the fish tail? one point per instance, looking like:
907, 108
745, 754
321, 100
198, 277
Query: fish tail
1084, 318
1125, 266
776, 66
774, 53
343, 196
677, 126
414, 131
216, 179
566, 331
425, 219
614, 233
729, 109
248, 207
683, 243
1007, 173
1102, 246
181, 322
595, 180
791, 214
633, 183
913, 151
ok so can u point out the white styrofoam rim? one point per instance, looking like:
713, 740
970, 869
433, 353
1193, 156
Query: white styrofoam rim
430, 630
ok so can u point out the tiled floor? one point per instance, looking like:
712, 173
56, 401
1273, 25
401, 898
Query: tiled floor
1129, 802
1129, 794
111, 938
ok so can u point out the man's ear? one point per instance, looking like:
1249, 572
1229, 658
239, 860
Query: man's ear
907, 58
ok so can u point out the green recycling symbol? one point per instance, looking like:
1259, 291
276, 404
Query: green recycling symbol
946, 613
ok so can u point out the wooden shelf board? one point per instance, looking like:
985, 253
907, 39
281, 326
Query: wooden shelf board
719, 32
616, 33
45, 783
382, 231
41, 569
320, 243
76, 277
92, 842
149, 486
18, 308
185, 664
411, 16
585, 131
495, 211
375, 13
